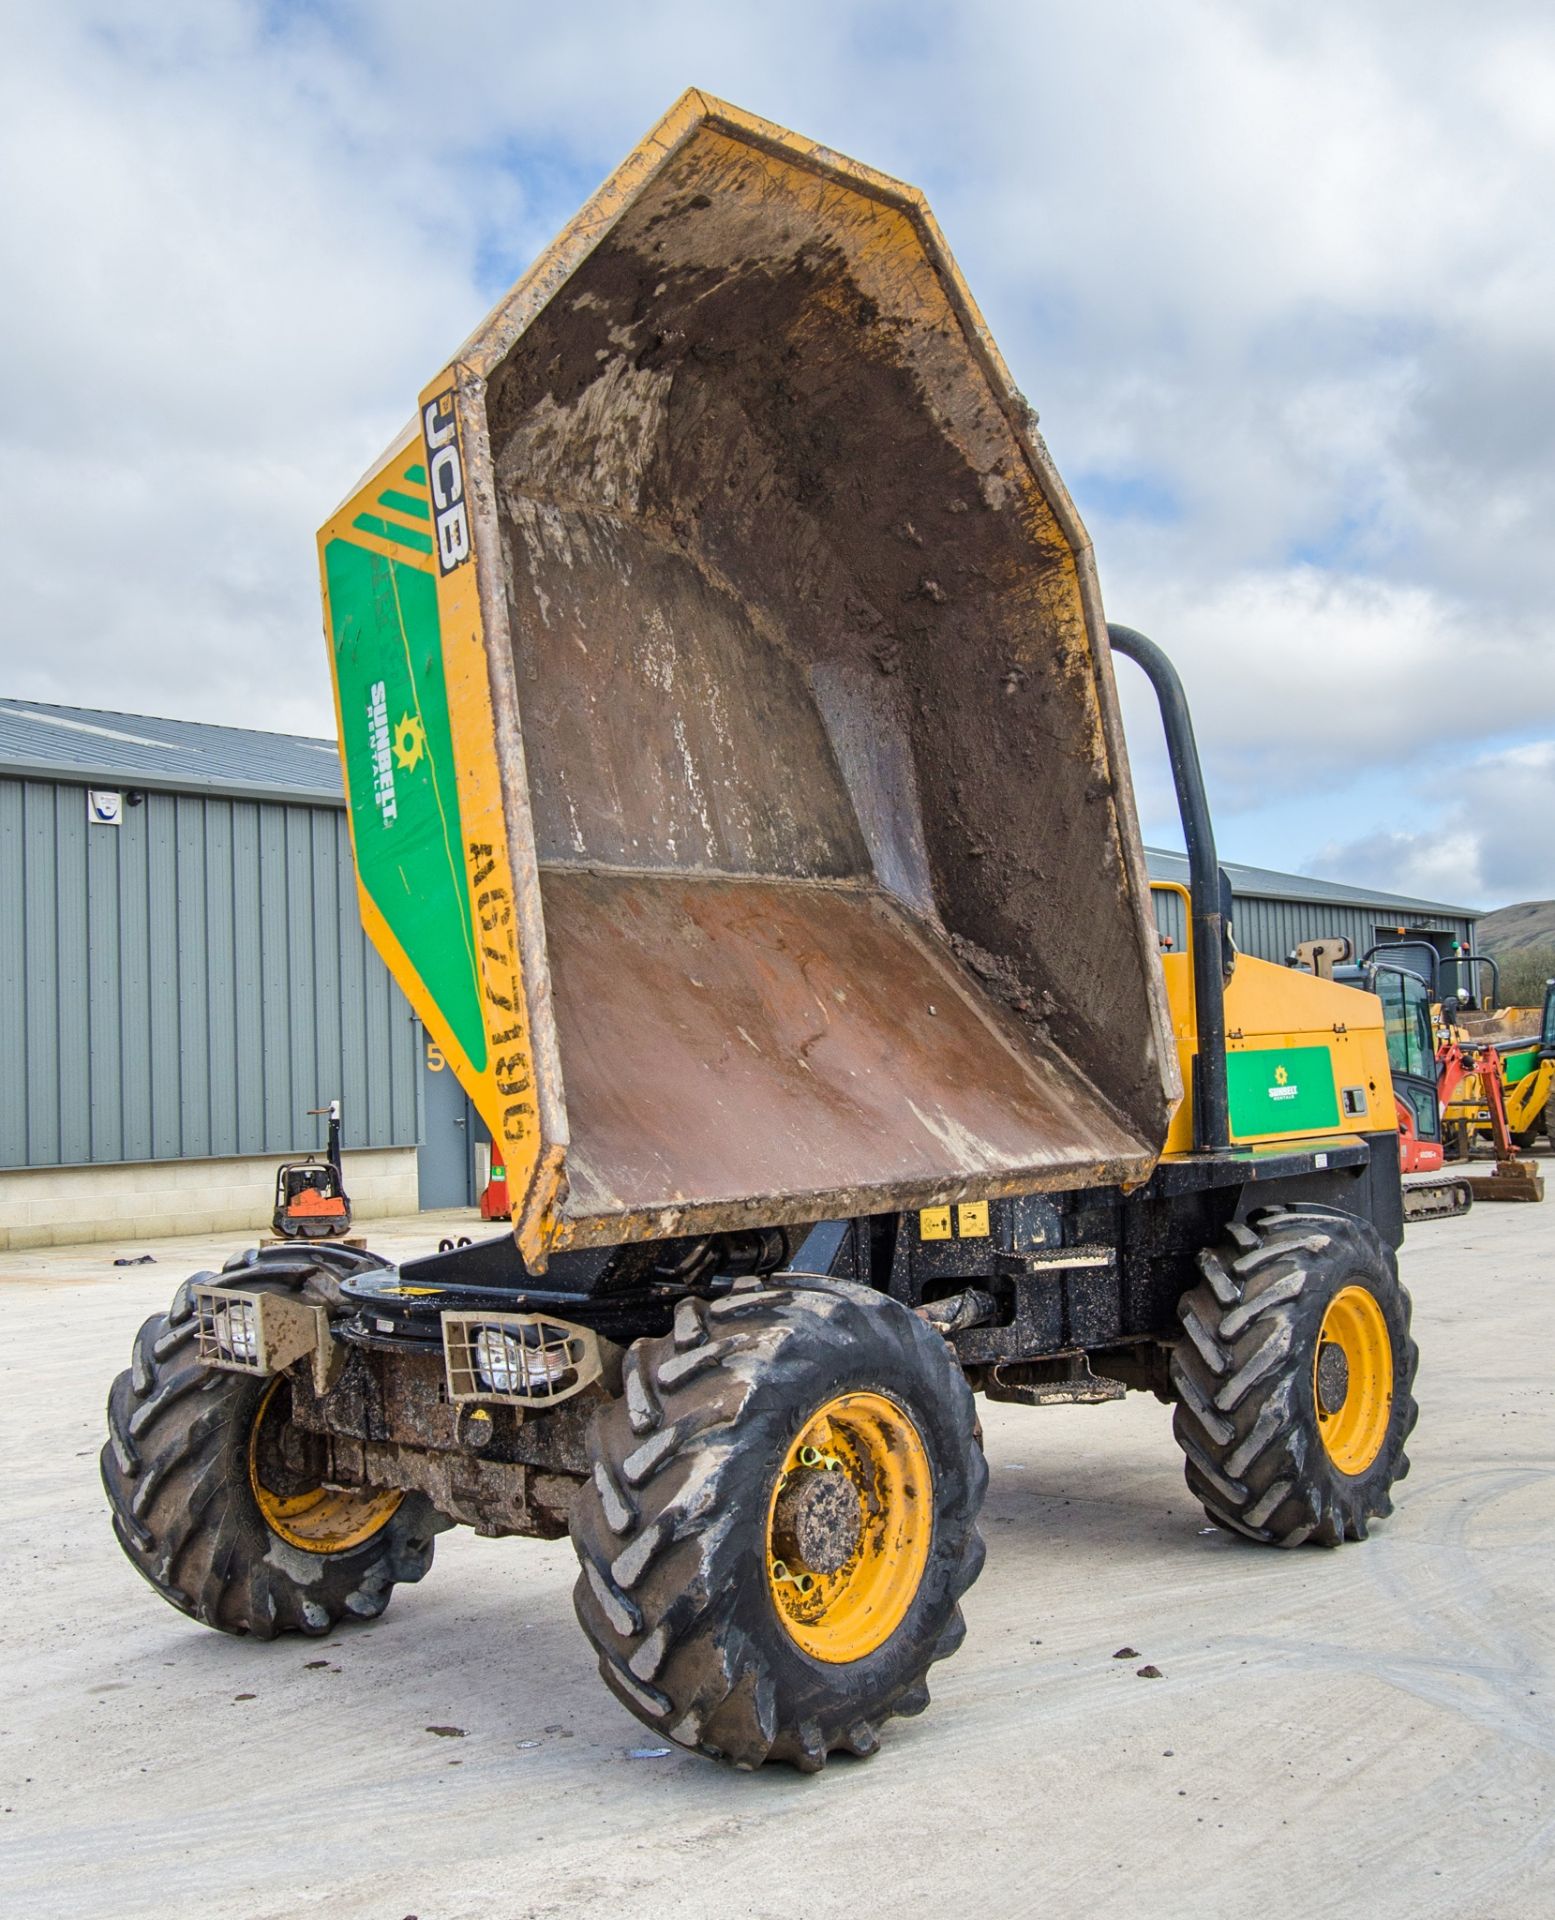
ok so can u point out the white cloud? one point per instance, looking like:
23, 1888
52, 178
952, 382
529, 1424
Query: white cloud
226, 313
1278, 281
1487, 841
1301, 678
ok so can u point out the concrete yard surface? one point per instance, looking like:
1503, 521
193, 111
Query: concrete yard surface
1367, 1731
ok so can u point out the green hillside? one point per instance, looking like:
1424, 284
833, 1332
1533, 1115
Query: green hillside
1522, 940
1531, 923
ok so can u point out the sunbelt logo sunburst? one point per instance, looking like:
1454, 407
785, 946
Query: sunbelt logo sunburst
410, 742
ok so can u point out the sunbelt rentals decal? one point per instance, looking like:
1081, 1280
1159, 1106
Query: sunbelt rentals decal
400, 772
409, 744
1281, 1090
379, 753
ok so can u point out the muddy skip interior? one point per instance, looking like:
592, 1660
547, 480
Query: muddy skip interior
824, 796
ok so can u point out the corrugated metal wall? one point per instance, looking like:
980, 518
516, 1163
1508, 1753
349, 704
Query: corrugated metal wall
188, 984
1271, 929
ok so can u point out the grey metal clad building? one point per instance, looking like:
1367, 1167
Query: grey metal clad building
1275, 912
183, 972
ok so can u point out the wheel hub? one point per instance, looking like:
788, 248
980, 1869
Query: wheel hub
849, 1526
818, 1520
1352, 1379
1333, 1378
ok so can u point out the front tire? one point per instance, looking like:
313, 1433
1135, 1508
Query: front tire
1294, 1378
781, 1523
207, 1509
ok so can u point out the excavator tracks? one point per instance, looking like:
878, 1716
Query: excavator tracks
1437, 1196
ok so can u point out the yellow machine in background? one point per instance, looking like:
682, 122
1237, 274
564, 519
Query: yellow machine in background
1524, 1039
1463, 989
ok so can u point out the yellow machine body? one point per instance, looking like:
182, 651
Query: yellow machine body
1306, 1058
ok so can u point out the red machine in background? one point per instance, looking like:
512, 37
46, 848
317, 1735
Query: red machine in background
1454, 1063
1515, 1176
1429, 1064
311, 1202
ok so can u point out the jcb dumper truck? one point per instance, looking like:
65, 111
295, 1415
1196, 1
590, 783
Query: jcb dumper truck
738, 793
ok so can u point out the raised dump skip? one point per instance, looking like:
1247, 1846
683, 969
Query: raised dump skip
820, 864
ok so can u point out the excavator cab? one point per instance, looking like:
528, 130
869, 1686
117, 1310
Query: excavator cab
1406, 1006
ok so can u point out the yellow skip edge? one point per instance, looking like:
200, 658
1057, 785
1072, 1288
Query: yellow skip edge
504, 909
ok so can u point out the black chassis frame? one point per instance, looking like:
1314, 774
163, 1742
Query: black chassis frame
1085, 1272
1068, 1296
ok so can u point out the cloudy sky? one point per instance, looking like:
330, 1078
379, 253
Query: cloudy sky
1278, 278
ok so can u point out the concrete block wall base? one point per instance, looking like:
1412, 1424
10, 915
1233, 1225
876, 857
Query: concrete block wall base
59, 1206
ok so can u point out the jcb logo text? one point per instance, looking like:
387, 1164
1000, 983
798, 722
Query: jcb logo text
445, 475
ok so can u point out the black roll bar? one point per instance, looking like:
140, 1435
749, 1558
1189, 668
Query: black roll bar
1211, 1107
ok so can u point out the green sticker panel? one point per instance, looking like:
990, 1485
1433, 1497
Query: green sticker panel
400, 773
1276, 1090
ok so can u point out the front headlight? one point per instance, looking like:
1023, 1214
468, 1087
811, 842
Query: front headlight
228, 1328
243, 1331
520, 1358
260, 1333
516, 1362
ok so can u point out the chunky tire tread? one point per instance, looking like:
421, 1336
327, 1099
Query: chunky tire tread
1242, 1377
175, 1469
671, 1593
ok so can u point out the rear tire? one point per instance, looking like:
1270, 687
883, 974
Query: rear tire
176, 1469
1267, 1455
681, 1591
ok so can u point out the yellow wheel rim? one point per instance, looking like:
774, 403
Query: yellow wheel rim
849, 1524
317, 1519
1352, 1379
